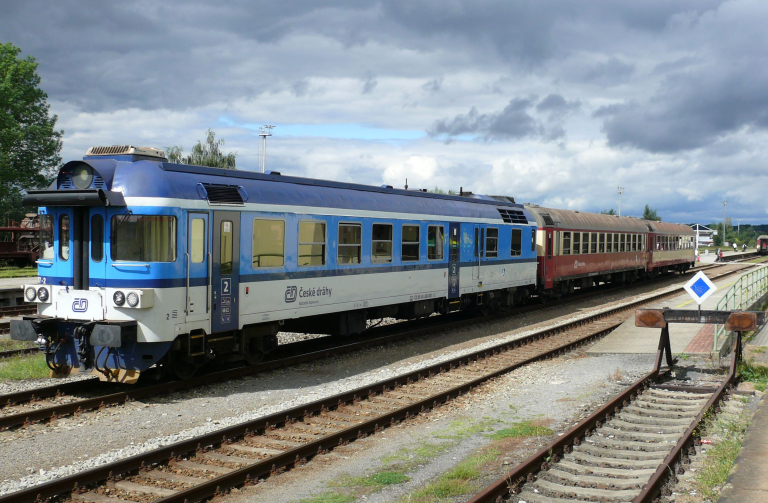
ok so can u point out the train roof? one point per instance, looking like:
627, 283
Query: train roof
139, 176
579, 220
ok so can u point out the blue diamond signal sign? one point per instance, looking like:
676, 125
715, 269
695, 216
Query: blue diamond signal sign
700, 287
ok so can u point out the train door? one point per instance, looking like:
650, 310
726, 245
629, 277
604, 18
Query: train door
548, 265
477, 270
225, 277
453, 261
97, 264
198, 259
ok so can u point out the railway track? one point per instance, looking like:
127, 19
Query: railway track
210, 464
59, 400
627, 450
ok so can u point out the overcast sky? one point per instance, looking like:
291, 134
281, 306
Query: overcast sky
556, 102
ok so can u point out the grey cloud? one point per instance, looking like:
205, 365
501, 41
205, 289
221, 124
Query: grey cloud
433, 86
556, 104
300, 88
609, 73
369, 84
513, 122
692, 109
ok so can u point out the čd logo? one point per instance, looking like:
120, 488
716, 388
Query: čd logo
80, 305
290, 294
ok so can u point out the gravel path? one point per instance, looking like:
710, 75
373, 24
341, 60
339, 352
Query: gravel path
74, 444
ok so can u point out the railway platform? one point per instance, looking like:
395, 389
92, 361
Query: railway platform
690, 339
10, 290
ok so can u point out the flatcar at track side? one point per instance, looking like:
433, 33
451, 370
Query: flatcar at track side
762, 245
161, 264
578, 249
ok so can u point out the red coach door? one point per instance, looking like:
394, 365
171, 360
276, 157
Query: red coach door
548, 267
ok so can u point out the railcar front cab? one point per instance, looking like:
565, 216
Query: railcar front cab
89, 315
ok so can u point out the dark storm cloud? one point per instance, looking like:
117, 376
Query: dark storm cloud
105, 56
692, 109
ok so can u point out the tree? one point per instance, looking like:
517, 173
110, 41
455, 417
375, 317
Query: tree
650, 214
608, 212
204, 154
29, 143
438, 190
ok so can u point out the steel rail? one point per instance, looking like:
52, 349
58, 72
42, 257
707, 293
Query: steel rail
299, 454
122, 397
504, 486
18, 352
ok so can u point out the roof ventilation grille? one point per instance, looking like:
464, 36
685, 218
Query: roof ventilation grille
547, 219
512, 216
223, 194
126, 150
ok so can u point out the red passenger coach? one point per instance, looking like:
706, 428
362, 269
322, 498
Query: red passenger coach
762, 245
577, 249
672, 247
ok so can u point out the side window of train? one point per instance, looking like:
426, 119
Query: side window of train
311, 243
609, 243
491, 242
381, 243
97, 238
197, 241
601, 247
517, 243
576, 243
350, 244
566, 243
593, 242
64, 237
46, 237
634, 242
436, 242
268, 245
585, 243
410, 244
226, 247
615, 243
621, 242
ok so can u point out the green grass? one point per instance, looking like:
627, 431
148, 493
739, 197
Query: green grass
721, 455
522, 429
329, 497
23, 367
7, 344
757, 374
684, 356
759, 349
377, 480
464, 428
17, 272
457, 482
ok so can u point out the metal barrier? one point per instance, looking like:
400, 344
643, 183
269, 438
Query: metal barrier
742, 295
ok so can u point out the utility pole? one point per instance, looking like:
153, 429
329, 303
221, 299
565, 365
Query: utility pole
725, 202
621, 191
264, 131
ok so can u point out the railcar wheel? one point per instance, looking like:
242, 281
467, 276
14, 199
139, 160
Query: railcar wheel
254, 355
184, 369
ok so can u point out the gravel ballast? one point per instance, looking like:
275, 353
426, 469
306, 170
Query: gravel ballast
43, 452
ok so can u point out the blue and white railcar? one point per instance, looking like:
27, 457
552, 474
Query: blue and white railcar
145, 262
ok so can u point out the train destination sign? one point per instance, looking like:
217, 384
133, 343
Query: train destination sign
700, 287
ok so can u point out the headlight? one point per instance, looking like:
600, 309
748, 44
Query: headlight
82, 176
30, 293
133, 299
119, 298
42, 294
